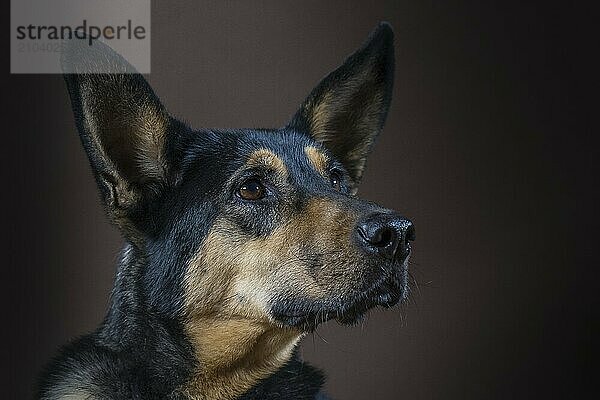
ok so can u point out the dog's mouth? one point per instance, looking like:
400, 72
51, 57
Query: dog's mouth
388, 291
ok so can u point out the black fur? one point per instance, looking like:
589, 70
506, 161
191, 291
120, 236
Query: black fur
166, 202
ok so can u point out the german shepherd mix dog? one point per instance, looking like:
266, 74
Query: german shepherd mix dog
238, 242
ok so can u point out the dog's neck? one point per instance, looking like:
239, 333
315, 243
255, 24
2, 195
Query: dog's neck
235, 354
222, 357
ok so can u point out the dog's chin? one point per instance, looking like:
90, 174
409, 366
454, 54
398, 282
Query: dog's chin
387, 294
389, 291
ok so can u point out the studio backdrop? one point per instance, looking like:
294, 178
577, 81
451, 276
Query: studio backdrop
481, 149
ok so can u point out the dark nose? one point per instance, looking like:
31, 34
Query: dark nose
386, 234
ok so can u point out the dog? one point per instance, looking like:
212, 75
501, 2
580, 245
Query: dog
238, 242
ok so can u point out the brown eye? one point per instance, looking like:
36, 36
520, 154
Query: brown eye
336, 180
252, 189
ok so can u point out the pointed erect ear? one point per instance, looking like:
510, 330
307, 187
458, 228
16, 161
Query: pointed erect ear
347, 110
123, 127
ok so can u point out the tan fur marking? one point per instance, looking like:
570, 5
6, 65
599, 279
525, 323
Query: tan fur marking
236, 343
151, 137
234, 354
320, 117
231, 283
67, 391
266, 158
317, 158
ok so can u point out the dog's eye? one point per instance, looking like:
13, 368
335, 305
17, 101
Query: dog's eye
252, 189
336, 180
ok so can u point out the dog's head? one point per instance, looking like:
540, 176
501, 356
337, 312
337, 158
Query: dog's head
253, 224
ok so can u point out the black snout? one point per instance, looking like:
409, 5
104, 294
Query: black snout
386, 234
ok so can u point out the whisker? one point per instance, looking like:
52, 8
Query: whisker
320, 337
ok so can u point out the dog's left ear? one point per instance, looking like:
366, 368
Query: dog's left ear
347, 110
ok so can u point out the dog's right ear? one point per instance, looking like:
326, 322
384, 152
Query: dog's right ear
124, 129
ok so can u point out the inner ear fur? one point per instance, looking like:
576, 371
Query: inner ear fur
122, 124
348, 108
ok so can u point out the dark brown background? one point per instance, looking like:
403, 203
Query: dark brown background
487, 147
